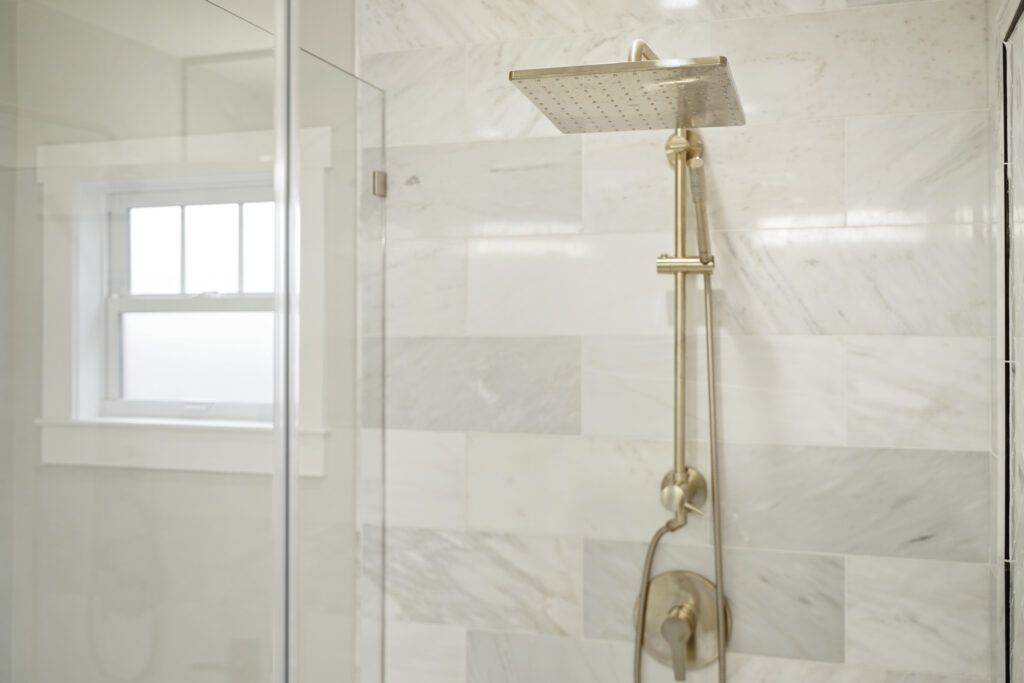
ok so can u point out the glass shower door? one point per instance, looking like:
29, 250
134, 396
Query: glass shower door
337, 287
169, 406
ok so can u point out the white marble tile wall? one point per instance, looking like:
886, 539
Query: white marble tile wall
529, 351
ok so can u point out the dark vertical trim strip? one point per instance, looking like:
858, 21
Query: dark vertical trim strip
1007, 335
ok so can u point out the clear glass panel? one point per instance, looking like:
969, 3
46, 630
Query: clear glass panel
134, 547
258, 247
207, 357
155, 247
211, 248
337, 544
140, 543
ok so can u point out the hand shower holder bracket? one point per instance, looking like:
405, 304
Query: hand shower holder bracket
670, 265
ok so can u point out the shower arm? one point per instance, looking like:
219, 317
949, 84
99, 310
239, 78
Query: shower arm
642, 52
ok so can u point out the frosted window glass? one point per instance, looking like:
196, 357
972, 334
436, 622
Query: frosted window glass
155, 250
216, 357
258, 247
211, 248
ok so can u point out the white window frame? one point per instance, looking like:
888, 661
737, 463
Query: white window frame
120, 300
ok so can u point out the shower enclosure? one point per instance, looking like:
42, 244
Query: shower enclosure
190, 312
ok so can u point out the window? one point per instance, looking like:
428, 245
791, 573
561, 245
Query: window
190, 310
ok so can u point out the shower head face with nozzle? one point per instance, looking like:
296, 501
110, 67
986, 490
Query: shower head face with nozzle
645, 95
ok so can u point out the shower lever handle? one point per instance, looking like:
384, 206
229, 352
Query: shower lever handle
678, 630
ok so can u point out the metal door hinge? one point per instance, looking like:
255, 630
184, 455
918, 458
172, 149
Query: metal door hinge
380, 183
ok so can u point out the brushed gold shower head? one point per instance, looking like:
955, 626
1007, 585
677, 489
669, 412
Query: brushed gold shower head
635, 95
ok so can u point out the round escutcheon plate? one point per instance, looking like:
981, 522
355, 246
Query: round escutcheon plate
670, 590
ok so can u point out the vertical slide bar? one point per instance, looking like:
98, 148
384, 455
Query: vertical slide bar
680, 322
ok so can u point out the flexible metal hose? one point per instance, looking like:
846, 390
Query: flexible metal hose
645, 587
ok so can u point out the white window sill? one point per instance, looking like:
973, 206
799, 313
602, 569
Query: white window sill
182, 445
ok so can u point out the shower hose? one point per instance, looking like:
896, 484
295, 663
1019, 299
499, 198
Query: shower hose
645, 587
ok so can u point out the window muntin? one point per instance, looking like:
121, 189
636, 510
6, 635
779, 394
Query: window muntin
190, 310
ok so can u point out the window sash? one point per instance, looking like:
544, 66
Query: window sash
120, 300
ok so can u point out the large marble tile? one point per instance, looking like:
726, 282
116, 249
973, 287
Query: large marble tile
886, 280
522, 483
520, 658
497, 109
426, 286
425, 653
576, 486
425, 479
786, 175
389, 25
628, 386
785, 390
517, 658
642, 14
918, 392
750, 669
860, 501
583, 284
918, 168
916, 615
627, 185
426, 94
484, 384
781, 390
786, 605
517, 187
489, 581
885, 59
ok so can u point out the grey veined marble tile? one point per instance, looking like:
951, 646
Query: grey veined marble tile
908, 503
781, 389
747, 669
426, 94
907, 57
628, 187
513, 187
426, 286
916, 615
783, 605
918, 392
489, 581
917, 168
497, 384
388, 25
886, 280
516, 658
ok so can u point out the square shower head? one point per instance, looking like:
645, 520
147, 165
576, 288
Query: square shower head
643, 95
